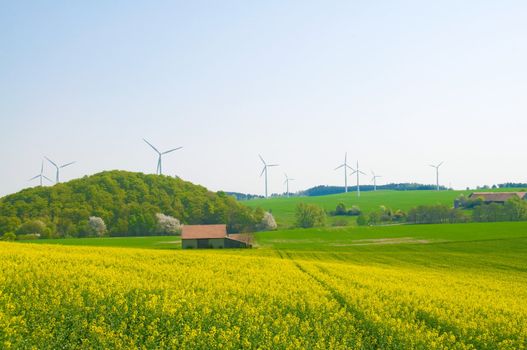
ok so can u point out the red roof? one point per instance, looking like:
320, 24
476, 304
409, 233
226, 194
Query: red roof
203, 231
497, 196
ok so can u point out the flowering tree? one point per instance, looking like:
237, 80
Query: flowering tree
167, 225
268, 222
97, 226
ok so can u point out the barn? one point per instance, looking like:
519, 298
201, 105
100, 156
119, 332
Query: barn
497, 197
212, 236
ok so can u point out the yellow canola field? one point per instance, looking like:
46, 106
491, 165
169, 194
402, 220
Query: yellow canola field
119, 298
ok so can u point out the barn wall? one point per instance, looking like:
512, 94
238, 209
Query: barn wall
216, 243
189, 243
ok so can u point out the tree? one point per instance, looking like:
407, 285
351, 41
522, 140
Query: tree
97, 226
340, 209
32, 227
309, 215
9, 224
8, 236
268, 222
167, 225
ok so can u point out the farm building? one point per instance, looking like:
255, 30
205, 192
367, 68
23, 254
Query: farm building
497, 197
212, 236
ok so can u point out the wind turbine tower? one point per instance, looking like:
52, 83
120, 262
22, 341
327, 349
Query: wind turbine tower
437, 173
286, 182
159, 170
41, 175
58, 167
264, 171
358, 172
374, 179
346, 167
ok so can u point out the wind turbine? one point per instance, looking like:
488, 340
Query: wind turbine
159, 169
346, 167
287, 179
58, 167
264, 170
358, 172
41, 175
374, 179
437, 173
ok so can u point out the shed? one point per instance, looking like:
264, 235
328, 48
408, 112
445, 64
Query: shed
212, 236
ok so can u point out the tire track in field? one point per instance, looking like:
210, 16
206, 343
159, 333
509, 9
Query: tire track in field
429, 320
372, 332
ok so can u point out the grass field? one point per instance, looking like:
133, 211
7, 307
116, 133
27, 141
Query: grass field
152, 242
423, 286
283, 209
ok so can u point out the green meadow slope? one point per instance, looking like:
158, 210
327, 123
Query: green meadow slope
283, 209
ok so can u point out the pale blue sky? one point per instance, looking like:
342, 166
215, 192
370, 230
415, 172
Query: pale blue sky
397, 84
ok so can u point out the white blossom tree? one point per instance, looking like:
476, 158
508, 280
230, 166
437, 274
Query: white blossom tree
268, 222
97, 226
167, 225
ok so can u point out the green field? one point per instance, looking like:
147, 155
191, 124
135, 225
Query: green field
283, 209
151, 242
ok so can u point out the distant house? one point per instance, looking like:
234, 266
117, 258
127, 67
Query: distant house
497, 197
212, 236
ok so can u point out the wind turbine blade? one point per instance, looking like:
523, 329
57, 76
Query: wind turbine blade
354, 172
440, 164
155, 149
263, 161
52, 162
363, 173
35, 177
349, 167
47, 178
65, 165
340, 166
291, 179
172, 150
263, 171
273, 165
433, 166
42, 167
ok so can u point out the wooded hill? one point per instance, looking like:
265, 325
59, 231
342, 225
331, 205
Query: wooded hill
127, 202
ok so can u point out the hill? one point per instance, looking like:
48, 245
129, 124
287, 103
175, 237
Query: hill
127, 202
283, 209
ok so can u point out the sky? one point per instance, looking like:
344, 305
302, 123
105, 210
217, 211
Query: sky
397, 85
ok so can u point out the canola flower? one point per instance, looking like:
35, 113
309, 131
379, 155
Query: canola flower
100, 298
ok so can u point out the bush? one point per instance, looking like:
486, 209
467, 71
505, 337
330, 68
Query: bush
339, 223
309, 215
354, 211
8, 236
362, 220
